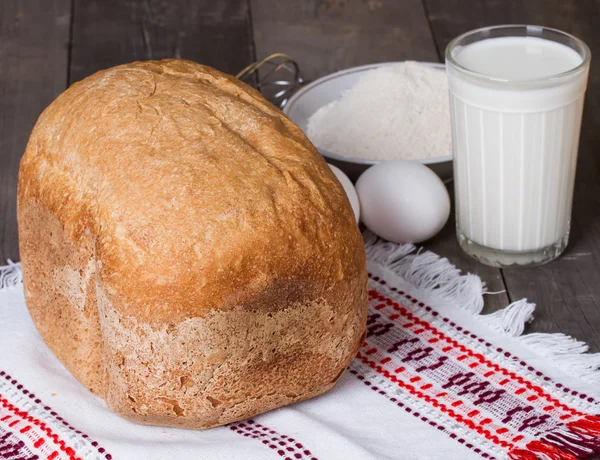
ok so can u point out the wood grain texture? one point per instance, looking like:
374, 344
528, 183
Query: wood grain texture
325, 36
33, 50
112, 32
567, 290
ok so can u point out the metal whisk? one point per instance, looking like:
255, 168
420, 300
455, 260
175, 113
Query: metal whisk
281, 77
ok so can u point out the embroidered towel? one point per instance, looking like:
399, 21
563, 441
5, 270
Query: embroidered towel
434, 380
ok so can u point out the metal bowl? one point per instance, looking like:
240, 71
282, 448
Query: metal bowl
330, 88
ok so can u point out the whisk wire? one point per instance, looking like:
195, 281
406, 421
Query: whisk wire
277, 63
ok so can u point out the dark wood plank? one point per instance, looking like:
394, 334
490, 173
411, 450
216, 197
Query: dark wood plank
567, 291
328, 35
33, 51
325, 36
108, 33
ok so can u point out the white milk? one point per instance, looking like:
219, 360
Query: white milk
515, 142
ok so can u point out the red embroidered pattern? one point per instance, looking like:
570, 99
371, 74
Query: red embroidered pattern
23, 422
14, 448
39, 435
508, 414
25, 437
364, 378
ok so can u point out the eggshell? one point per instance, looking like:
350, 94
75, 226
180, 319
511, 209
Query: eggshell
403, 201
349, 188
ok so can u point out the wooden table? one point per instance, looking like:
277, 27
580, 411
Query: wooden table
47, 44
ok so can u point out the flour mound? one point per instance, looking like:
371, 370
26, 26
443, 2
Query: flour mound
394, 112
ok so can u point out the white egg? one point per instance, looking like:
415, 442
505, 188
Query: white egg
349, 189
403, 201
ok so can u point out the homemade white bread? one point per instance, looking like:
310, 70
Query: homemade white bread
187, 253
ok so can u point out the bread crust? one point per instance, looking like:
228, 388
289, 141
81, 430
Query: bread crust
186, 252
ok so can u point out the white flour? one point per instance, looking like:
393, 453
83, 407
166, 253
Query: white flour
395, 112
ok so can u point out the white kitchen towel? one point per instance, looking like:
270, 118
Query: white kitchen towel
435, 379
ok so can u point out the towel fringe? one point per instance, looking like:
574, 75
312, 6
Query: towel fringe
428, 272
10, 275
567, 353
512, 319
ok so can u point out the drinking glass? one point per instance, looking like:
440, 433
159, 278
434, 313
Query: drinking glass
515, 134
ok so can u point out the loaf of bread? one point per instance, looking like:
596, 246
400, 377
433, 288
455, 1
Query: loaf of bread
187, 253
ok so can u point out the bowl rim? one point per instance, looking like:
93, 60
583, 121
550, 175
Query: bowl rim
350, 70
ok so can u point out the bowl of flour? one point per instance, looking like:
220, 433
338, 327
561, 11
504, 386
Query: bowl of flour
390, 111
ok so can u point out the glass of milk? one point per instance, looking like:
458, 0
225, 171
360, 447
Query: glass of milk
516, 98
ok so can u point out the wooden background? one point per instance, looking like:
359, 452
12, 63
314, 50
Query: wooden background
47, 44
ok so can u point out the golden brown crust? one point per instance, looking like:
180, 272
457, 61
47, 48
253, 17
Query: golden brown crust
180, 197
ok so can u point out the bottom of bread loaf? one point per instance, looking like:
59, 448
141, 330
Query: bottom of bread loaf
223, 367
198, 373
